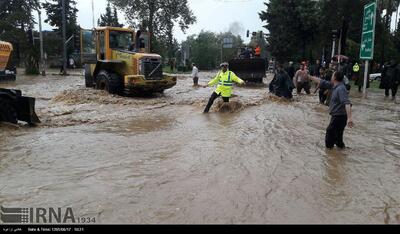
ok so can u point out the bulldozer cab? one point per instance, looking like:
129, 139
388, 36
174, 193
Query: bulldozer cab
98, 44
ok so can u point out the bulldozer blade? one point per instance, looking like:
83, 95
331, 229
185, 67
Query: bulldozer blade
249, 69
26, 110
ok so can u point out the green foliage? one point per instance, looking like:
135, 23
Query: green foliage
174, 12
332, 13
54, 15
16, 20
54, 18
110, 18
204, 49
301, 29
353, 49
280, 26
293, 25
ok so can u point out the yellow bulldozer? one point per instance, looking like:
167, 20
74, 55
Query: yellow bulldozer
13, 106
119, 61
7, 70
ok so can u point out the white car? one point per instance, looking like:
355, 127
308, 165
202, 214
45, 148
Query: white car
375, 76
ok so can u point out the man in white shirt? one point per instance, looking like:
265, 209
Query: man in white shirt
195, 75
71, 63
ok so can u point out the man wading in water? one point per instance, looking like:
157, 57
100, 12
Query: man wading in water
225, 79
301, 80
339, 109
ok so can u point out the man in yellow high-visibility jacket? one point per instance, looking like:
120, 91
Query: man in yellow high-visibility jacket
225, 80
356, 68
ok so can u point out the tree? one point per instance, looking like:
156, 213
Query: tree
54, 15
116, 20
54, 18
158, 17
204, 49
306, 24
338, 13
292, 25
282, 47
174, 11
383, 27
110, 18
16, 23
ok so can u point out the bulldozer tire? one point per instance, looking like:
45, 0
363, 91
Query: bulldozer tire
7, 111
89, 82
110, 82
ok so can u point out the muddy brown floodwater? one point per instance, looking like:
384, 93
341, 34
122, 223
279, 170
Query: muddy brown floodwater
160, 160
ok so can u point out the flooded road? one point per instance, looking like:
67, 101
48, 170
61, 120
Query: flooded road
160, 160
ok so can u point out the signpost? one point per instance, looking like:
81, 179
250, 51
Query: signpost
368, 39
227, 43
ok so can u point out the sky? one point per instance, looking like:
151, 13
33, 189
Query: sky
212, 15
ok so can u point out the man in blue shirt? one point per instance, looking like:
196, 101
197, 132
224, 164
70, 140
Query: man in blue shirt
339, 109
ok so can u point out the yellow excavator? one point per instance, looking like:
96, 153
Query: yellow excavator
13, 106
119, 61
7, 70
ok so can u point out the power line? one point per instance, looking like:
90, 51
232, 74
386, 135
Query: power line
93, 13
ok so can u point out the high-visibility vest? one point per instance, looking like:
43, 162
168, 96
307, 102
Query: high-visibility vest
258, 51
225, 83
356, 68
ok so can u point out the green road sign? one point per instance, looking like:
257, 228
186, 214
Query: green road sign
368, 33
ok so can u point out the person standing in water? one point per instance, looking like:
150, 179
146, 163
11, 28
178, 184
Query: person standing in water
339, 108
195, 75
301, 80
225, 80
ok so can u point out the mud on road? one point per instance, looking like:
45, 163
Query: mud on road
160, 160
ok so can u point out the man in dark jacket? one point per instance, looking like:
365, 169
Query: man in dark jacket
282, 85
390, 79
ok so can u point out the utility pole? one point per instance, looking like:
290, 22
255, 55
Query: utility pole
41, 44
397, 18
340, 48
222, 48
334, 35
93, 14
64, 33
